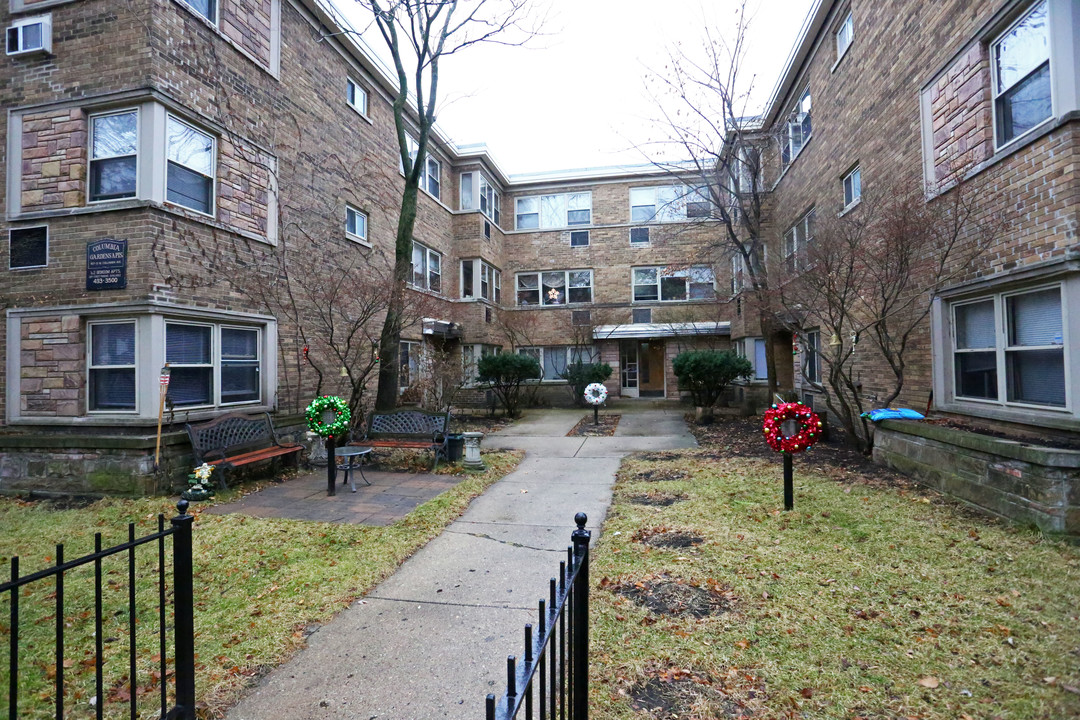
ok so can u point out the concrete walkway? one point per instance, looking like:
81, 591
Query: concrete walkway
431, 641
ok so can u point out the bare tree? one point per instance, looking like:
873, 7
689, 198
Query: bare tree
704, 103
867, 284
419, 34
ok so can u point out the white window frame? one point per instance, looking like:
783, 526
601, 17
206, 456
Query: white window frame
412, 366
539, 212
215, 6
428, 253
812, 357
492, 198
662, 272
430, 162
213, 166
852, 183
800, 116
546, 301
738, 268
845, 35
90, 363
220, 362
20, 25
797, 241
748, 348
91, 159
352, 87
350, 212
675, 209
1002, 349
999, 142
570, 353
11, 255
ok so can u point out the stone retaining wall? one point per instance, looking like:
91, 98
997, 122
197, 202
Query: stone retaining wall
1026, 483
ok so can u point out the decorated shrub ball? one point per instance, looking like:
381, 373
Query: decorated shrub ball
328, 416
808, 427
595, 394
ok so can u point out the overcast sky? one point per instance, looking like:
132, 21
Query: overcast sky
576, 97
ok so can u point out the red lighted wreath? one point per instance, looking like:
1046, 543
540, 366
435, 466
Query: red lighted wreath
809, 427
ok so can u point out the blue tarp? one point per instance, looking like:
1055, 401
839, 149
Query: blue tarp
893, 414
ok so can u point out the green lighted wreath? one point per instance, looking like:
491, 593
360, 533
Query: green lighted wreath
317, 409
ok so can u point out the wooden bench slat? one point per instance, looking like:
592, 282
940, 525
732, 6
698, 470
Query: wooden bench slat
256, 455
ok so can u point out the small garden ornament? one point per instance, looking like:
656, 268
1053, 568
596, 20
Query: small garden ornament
200, 487
790, 428
595, 395
328, 416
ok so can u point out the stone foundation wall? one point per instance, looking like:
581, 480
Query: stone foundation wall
1026, 483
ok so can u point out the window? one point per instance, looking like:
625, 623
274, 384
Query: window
487, 230
673, 284
30, 35
240, 364
852, 187
111, 385
471, 355
430, 180
113, 155
554, 359
796, 242
641, 315
189, 352
408, 364
206, 8
426, 268
490, 200
490, 280
844, 35
553, 211
639, 236
356, 96
28, 247
579, 238
812, 356
556, 287
738, 273
1021, 68
1010, 348
190, 155
753, 349
581, 318
355, 224
798, 129
669, 203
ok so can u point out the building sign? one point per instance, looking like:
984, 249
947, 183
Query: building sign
106, 264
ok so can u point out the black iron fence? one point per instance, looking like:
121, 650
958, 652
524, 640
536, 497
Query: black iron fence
552, 680
67, 620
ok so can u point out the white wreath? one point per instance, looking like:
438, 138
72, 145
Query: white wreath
596, 394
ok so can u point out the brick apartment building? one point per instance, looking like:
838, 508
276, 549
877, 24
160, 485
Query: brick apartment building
153, 142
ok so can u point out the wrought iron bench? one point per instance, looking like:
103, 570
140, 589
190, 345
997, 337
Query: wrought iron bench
409, 429
234, 440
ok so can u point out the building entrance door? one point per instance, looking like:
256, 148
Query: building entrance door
628, 365
651, 368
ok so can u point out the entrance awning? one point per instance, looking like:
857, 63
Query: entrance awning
652, 330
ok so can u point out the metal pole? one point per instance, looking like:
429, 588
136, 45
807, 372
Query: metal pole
580, 538
184, 607
595, 414
789, 482
331, 467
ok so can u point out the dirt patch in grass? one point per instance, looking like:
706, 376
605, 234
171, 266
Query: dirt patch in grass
662, 474
477, 422
586, 428
665, 595
657, 456
665, 537
685, 695
655, 499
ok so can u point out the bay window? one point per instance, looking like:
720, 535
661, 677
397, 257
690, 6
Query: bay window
668, 284
1009, 348
1021, 75
553, 211
431, 177
426, 268
113, 155
212, 364
190, 159
489, 286
797, 242
554, 287
111, 382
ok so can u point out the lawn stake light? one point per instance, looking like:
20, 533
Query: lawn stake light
328, 416
595, 395
790, 428
163, 392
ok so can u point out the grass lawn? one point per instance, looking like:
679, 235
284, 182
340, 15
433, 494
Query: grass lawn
261, 585
869, 600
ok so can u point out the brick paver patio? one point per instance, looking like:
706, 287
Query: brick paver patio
391, 496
